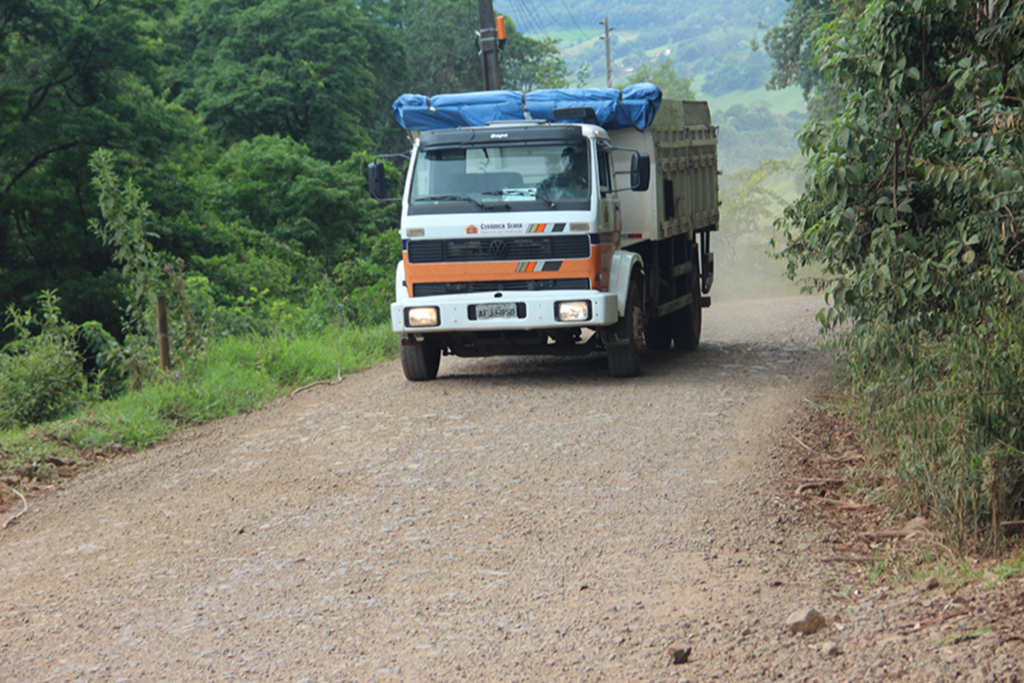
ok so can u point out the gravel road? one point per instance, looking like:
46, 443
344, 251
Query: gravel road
523, 519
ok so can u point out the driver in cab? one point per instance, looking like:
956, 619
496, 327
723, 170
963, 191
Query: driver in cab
571, 183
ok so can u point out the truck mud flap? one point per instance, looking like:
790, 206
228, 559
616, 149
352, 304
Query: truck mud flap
707, 266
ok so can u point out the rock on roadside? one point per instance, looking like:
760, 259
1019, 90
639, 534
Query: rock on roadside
805, 621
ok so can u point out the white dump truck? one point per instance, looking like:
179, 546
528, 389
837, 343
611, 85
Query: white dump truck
553, 222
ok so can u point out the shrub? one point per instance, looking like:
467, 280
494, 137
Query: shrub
367, 278
41, 373
945, 411
912, 208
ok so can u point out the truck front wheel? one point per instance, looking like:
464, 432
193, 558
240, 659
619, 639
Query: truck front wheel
624, 359
420, 359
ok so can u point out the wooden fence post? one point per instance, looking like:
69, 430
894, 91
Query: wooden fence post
162, 336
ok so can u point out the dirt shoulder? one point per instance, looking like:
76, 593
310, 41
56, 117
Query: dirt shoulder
895, 603
517, 519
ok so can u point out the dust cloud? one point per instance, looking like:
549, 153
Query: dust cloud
747, 271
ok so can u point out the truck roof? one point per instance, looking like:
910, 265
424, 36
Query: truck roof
504, 134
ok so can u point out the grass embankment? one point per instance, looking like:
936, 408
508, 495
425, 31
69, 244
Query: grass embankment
233, 375
942, 416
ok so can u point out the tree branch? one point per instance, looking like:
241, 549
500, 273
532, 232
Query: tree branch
43, 91
32, 164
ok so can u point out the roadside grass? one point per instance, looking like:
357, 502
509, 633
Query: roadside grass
906, 568
962, 571
878, 543
234, 375
941, 418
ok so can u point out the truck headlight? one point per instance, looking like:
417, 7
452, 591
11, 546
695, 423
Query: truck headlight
572, 311
423, 316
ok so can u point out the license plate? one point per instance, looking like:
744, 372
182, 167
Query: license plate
492, 311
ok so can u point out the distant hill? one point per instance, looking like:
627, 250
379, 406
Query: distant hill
709, 42
710, 39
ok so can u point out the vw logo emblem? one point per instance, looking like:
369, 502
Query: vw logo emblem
498, 249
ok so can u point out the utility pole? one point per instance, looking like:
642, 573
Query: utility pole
489, 46
607, 48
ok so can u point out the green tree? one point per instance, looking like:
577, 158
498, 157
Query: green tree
790, 44
530, 63
391, 68
276, 186
302, 68
67, 70
74, 76
440, 39
750, 202
914, 189
665, 76
912, 211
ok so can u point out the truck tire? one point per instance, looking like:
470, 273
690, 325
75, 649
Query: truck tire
421, 360
686, 322
658, 335
624, 359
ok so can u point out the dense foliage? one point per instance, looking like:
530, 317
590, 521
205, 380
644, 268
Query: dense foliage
912, 207
790, 44
243, 125
916, 188
307, 69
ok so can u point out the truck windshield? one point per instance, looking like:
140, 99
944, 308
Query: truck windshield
501, 178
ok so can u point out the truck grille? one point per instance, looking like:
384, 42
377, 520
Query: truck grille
437, 288
499, 249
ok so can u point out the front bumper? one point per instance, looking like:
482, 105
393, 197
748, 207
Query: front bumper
454, 310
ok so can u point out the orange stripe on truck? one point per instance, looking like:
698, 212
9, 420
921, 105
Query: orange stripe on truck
416, 273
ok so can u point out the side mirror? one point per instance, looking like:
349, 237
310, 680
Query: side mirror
640, 172
375, 176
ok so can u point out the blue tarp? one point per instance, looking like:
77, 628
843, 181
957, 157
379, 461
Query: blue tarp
633, 106
418, 112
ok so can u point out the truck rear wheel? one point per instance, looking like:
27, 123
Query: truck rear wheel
686, 322
420, 360
624, 359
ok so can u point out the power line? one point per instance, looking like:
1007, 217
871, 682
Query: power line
527, 23
537, 23
528, 4
585, 36
553, 17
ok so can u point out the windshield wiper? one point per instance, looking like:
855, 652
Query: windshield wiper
450, 197
543, 198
